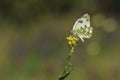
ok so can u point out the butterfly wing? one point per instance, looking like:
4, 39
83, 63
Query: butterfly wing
82, 27
81, 22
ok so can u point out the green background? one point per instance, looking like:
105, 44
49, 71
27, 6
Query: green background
33, 42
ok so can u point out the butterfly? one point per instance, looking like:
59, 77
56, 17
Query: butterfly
82, 28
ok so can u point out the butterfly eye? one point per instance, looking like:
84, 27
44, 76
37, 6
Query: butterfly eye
80, 21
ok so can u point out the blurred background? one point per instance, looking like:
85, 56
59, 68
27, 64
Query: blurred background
33, 39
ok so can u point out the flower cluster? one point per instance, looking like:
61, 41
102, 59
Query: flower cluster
72, 42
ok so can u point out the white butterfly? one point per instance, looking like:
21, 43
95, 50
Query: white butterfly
82, 28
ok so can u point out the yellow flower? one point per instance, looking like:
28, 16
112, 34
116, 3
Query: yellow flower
72, 42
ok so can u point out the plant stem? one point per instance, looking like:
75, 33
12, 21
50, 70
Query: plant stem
68, 68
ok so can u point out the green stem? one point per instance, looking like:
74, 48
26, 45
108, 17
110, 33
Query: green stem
68, 68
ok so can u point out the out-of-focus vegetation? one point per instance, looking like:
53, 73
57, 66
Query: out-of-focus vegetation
33, 45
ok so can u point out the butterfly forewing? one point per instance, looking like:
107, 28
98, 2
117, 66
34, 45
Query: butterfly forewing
81, 22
